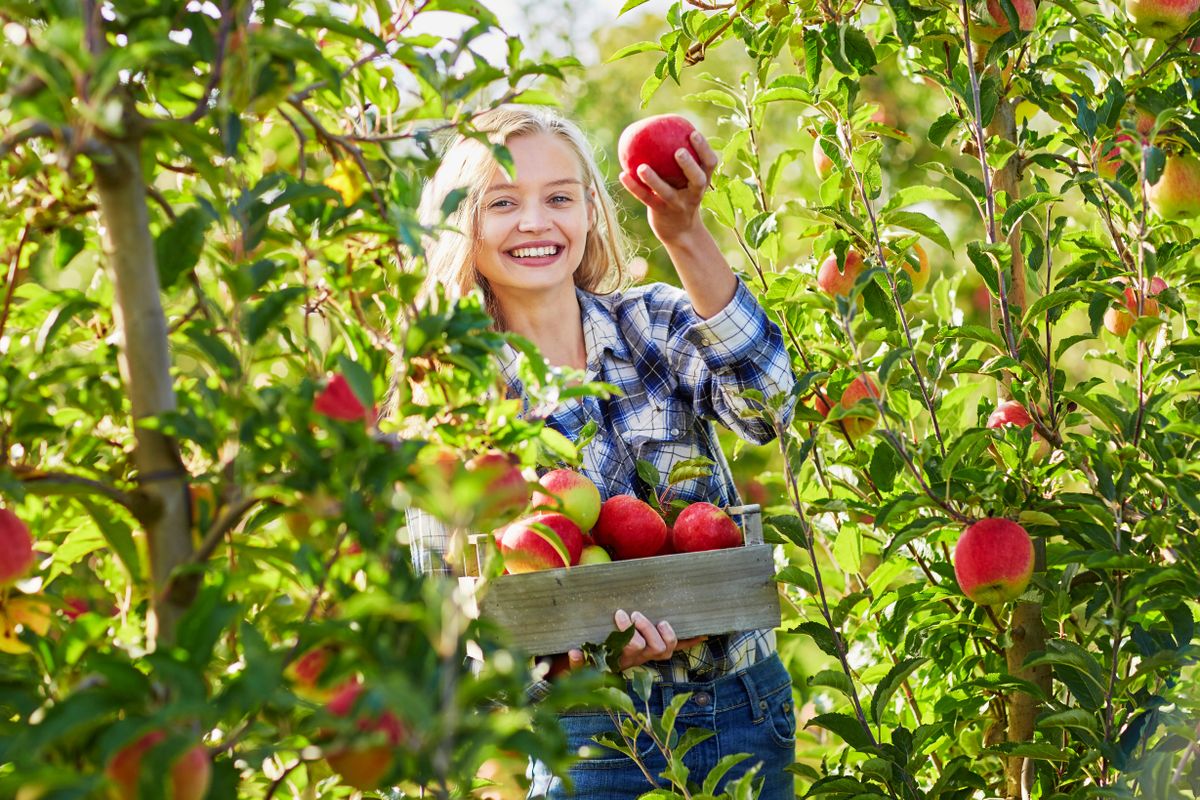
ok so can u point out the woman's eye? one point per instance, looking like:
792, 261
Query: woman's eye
500, 203
561, 198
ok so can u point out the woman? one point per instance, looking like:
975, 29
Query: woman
545, 249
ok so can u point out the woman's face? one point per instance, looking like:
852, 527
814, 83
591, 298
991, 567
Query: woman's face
533, 231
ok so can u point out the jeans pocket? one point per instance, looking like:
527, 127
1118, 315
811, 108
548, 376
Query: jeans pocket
781, 716
582, 730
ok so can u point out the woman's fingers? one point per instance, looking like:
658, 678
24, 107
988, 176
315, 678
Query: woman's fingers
695, 173
664, 192
708, 157
575, 659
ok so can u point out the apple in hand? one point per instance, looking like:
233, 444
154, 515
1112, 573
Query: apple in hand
993, 561
364, 766
570, 493
834, 281
629, 528
703, 526
653, 141
526, 549
190, 774
16, 547
1161, 19
506, 493
1177, 193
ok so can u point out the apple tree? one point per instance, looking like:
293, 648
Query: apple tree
207, 329
1047, 166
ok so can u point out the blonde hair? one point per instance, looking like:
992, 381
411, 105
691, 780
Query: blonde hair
467, 165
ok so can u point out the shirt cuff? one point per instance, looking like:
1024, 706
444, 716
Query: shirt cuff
731, 335
537, 691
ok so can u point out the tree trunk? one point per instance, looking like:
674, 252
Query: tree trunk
1026, 627
145, 366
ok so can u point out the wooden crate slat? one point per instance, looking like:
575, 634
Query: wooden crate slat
708, 593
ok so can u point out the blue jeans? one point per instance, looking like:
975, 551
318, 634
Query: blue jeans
750, 712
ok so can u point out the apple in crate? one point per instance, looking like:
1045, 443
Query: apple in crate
570, 493
629, 528
527, 548
703, 526
594, 554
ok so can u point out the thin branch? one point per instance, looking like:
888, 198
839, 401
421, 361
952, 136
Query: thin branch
222, 525
214, 80
46, 483
11, 282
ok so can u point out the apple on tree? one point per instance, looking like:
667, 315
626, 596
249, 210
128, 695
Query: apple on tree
569, 493
1177, 194
704, 526
629, 528
833, 279
654, 141
305, 674
822, 163
861, 388
993, 22
363, 766
1118, 321
993, 561
526, 548
919, 272
1012, 413
1161, 19
190, 774
16, 547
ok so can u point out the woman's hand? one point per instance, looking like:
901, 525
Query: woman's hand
675, 213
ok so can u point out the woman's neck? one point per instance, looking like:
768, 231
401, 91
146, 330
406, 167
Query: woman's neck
552, 321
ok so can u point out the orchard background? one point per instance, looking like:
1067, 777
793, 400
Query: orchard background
210, 213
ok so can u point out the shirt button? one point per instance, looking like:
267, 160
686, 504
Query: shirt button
702, 699
674, 431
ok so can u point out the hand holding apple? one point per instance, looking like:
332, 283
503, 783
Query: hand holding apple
673, 212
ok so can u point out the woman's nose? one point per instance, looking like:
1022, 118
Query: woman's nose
533, 218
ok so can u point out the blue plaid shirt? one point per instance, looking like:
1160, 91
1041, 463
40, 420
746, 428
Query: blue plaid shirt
676, 374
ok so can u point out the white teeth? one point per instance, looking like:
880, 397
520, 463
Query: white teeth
534, 252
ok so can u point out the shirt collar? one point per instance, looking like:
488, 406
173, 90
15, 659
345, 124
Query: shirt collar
600, 331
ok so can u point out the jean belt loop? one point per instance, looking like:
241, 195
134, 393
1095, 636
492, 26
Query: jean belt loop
666, 689
758, 708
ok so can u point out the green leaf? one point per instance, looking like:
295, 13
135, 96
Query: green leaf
635, 48
263, 315
847, 728
891, 682
918, 223
812, 55
70, 243
177, 248
690, 469
720, 769
630, 5
117, 533
911, 195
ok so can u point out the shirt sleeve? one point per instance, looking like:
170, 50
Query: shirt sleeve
718, 358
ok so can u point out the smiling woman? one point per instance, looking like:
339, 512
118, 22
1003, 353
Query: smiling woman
540, 241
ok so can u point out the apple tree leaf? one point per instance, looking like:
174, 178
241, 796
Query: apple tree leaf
552, 538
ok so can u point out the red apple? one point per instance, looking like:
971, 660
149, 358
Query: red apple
1161, 19
1011, 412
507, 491
1177, 193
703, 526
629, 528
861, 388
190, 774
834, 281
919, 274
993, 561
16, 547
305, 674
594, 554
654, 141
1108, 164
338, 401
993, 22
570, 493
364, 766
1118, 321
526, 549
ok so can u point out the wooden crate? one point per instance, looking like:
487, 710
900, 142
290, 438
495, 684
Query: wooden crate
709, 593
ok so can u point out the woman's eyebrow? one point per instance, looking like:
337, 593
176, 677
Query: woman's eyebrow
498, 187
